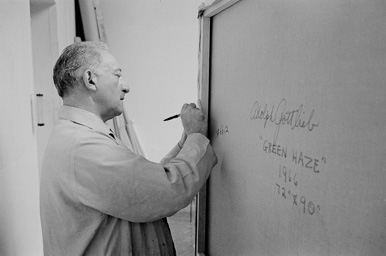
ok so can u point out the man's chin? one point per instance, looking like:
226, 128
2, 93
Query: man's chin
119, 111
115, 113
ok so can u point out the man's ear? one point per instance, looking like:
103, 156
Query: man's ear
89, 80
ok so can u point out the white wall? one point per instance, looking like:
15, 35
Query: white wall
19, 176
20, 62
156, 43
52, 29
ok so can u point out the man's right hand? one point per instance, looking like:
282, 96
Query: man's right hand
193, 119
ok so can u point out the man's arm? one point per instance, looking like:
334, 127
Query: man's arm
115, 181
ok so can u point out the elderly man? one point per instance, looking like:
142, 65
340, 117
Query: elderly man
97, 197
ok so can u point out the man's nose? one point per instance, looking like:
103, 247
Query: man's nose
125, 86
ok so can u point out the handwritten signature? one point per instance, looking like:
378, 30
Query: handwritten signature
280, 116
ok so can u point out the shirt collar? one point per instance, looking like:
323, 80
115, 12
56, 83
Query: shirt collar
83, 117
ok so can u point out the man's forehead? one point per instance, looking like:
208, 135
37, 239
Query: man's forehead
110, 61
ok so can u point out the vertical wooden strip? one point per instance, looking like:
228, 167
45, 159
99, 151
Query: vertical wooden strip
203, 92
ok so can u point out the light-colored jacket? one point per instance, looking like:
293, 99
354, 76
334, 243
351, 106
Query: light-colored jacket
97, 197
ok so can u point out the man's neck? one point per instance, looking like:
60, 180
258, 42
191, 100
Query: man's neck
84, 103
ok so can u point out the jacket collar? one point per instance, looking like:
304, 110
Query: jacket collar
83, 117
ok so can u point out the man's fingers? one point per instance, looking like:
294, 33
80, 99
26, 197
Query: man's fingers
186, 105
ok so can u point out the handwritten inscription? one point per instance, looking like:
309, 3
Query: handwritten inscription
280, 116
307, 206
288, 184
285, 172
297, 162
272, 148
307, 161
221, 130
300, 158
289, 178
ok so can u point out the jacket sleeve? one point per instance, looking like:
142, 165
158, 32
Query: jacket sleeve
115, 181
172, 154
